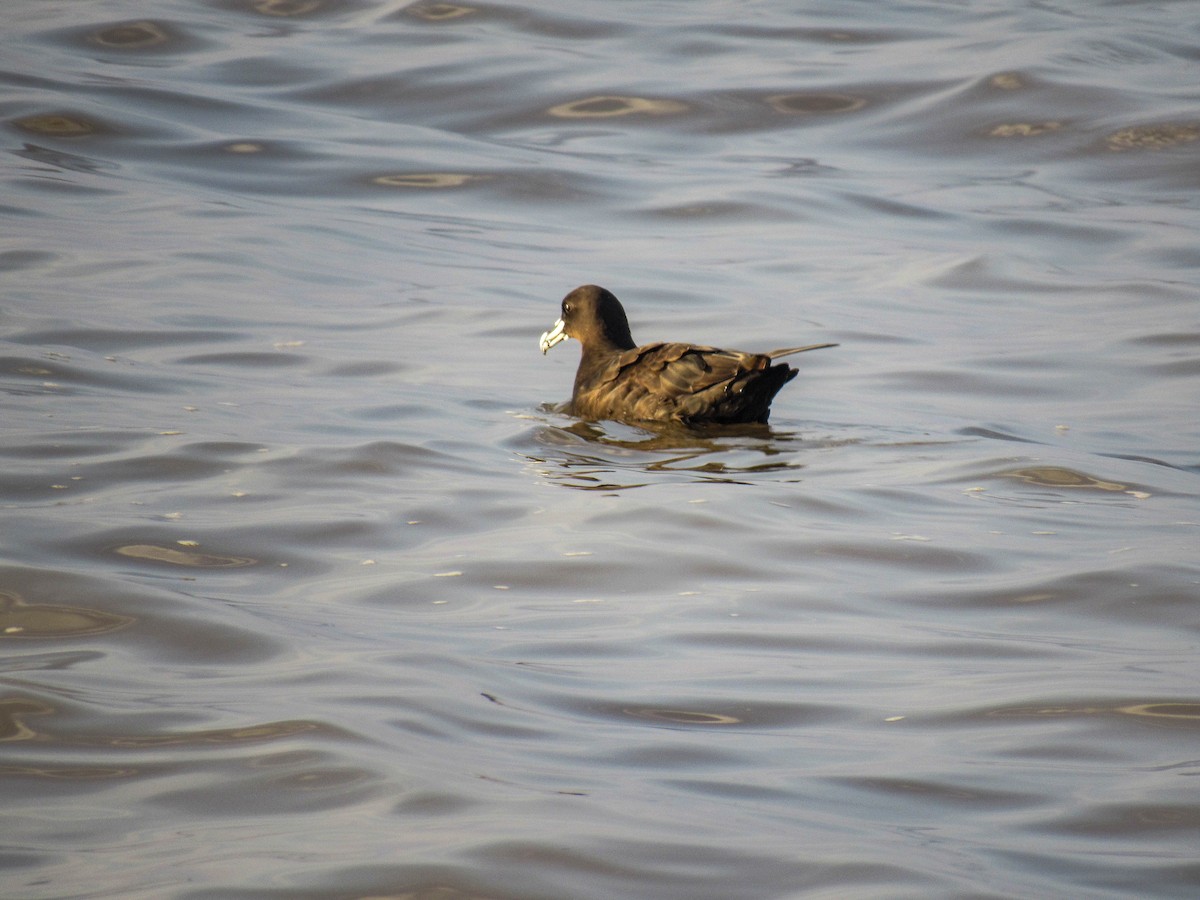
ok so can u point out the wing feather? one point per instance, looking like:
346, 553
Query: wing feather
685, 382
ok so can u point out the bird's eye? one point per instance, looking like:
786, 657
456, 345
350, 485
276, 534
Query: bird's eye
566, 309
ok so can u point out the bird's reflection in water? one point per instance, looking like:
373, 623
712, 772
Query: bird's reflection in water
612, 456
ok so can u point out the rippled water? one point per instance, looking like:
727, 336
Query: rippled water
308, 589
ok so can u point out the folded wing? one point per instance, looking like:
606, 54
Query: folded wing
691, 384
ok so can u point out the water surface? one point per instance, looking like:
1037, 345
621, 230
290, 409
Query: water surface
308, 590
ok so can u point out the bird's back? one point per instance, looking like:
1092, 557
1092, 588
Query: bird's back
692, 384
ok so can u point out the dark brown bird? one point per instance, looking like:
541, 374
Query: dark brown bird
662, 382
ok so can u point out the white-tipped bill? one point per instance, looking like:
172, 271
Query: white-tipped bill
553, 336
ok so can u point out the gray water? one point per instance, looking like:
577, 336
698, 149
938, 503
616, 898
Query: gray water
310, 590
